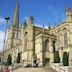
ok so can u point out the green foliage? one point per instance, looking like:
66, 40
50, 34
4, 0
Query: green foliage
56, 57
65, 59
18, 58
9, 60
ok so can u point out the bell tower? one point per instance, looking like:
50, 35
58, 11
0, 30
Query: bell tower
13, 33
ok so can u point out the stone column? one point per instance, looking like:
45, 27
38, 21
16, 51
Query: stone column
70, 45
51, 51
70, 57
61, 55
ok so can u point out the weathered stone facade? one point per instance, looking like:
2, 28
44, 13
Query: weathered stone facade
35, 43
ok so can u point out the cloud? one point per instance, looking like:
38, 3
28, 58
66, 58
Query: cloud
40, 25
2, 20
1, 40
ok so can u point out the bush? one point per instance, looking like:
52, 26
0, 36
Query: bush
18, 58
9, 60
56, 57
65, 59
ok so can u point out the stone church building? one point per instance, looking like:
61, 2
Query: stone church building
36, 43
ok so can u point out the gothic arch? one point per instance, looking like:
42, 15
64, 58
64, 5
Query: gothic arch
53, 43
65, 37
64, 28
15, 34
26, 40
25, 33
46, 45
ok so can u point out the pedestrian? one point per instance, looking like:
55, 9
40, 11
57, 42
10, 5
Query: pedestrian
7, 68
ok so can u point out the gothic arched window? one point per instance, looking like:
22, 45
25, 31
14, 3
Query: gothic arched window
53, 46
15, 35
65, 38
46, 45
26, 41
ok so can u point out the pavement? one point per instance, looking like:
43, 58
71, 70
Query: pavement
39, 69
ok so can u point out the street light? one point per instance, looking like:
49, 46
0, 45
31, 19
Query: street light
7, 19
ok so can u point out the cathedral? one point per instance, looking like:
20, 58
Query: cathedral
38, 44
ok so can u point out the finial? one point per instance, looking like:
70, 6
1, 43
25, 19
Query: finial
68, 13
68, 8
31, 20
20, 25
43, 29
25, 23
55, 24
49, 27
67, 2
43, 26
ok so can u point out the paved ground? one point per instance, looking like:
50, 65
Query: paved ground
0, 67
34, 70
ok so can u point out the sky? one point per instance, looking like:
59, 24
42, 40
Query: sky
45, 12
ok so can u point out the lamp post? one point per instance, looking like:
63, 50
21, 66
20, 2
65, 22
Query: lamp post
7, 19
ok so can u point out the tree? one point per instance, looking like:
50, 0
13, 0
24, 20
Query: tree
9, 60
18, 58
65, 59
56, 57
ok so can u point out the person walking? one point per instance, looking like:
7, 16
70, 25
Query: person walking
7, 69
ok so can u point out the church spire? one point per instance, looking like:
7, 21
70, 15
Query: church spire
16, 15
68, 13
